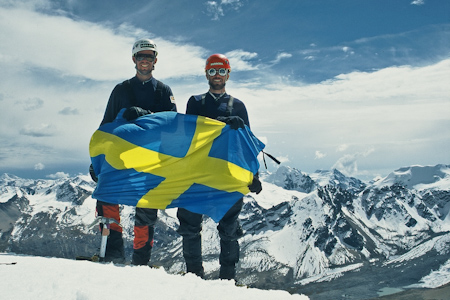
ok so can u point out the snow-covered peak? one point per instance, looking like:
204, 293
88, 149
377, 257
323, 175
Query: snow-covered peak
291, 179
335, 178
419, 177
294, 179
12, 180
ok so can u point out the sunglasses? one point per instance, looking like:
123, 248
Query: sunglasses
148, 57
222, 72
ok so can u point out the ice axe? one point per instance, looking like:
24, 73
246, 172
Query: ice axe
105, 233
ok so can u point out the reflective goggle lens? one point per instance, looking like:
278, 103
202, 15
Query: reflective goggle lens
148, 57
222, 72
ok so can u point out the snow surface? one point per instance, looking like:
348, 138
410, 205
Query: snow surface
272, 195
56, 278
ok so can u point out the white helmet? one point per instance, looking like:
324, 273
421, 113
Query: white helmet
144, 44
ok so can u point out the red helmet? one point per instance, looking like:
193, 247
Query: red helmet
217, 61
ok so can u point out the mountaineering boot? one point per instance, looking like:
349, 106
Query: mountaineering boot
114, 245
227, 272
196, 269
143, 244
144, 230
114, 248
190, 229
229, 256
141, 256
192, 252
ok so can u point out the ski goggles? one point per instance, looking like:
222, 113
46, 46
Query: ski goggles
147, 57
221, 71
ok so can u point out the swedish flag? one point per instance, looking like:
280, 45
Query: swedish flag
168, 159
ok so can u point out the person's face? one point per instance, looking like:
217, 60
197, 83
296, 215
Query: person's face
217, 82
145, 61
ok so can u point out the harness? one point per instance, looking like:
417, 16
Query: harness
133, 100
229, 110
229, 104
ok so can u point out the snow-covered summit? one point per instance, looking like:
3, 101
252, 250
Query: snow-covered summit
47, 278
419, 177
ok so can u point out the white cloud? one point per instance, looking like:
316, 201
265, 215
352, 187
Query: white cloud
32, 104
39, 166
93, 47
348, 165
69, 111
216, 9
400, 111
342, 148
348, 50
319, 155
58, 175
418, 2
283, 159
281, 56
77, 48
38, 130
239, 60
85, 49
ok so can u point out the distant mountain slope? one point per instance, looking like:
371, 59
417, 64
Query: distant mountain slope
317, 234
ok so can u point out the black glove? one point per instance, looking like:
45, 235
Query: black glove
92, 173
134, 112
256, 186
235, 122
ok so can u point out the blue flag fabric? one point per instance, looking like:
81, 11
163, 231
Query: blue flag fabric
168, 159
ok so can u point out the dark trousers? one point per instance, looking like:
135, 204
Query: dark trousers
229, 231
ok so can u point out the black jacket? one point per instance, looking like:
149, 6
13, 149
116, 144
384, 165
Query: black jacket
214, 108
133, 92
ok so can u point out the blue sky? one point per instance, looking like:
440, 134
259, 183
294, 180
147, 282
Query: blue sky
361, 86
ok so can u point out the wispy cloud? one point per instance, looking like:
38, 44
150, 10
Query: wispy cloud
281, 56
58, 175
216, 9
69, 111
418, 2
241, 60
41, 130
319, 155
342, 148
39, 166
348, 164
32, 104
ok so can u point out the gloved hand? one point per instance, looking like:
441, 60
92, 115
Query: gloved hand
235, 122
134, 112
256, 186
92, 173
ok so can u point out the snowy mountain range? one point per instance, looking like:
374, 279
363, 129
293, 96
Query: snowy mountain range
323, 234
